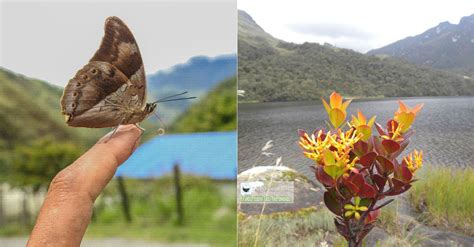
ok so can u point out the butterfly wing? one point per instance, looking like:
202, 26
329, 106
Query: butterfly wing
100, 93
120, 49
90, 98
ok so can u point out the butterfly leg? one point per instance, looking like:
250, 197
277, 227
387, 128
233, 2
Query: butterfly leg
111, 135
114, 131
140, 127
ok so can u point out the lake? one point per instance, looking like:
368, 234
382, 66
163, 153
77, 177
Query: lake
444, 129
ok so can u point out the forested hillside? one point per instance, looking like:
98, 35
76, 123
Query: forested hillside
217, 111
30, 109
275, 70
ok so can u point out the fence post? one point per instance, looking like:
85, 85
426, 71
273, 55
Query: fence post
125, 200
2, 211
179, 196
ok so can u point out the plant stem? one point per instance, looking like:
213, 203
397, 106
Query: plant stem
263, 209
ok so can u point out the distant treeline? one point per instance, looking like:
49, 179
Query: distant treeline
274, 70
305, 72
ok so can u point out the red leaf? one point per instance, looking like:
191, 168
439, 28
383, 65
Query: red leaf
352, 187
380, 129
379, 181
358, 180
301, 132
394, 192
372, 216
323, 177
406, 174
386, 164
361, 148
378, 145
390, 146
392, 125
403, 145
397, 184
368, 191
380, 169
331, 202
323, 133
368, 159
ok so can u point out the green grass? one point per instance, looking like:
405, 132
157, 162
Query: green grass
400, 232
168, 233
15, 229
303, 228
209, 212
445, 198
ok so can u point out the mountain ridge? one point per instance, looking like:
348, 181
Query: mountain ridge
446, 46
198, 76
29, 109
274, 70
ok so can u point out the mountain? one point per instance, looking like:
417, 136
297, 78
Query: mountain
446, 46
217, 111
29, 109
270, 69
197, 76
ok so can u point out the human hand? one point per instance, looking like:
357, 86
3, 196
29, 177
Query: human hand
67, 208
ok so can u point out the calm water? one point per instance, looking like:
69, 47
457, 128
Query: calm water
444, 129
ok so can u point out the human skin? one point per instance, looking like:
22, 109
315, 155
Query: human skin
67, 208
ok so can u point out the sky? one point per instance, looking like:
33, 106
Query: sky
52, 40
359, 25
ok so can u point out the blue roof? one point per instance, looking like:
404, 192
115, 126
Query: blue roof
212, 154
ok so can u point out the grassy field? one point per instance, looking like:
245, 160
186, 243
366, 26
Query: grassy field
209, 212
305, 228
445, 198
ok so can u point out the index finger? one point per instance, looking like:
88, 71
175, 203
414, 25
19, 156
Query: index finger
98, 165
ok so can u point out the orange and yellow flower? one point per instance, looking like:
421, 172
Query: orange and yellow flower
314, 145
362, 125
405, 115
332, 151
336, 109
395, 132
414, 160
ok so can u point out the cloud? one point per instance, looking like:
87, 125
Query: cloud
331, 30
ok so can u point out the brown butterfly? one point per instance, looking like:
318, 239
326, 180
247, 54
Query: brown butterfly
111, 89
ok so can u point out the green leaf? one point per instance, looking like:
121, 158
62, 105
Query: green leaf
337, 117
365, 130
334, 171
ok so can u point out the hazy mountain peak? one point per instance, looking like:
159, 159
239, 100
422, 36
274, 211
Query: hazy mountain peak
445, 46
197, 76
467, 20
249, 29
445, 24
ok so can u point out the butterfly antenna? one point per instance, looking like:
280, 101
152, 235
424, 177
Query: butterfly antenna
160, 101
171, 96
